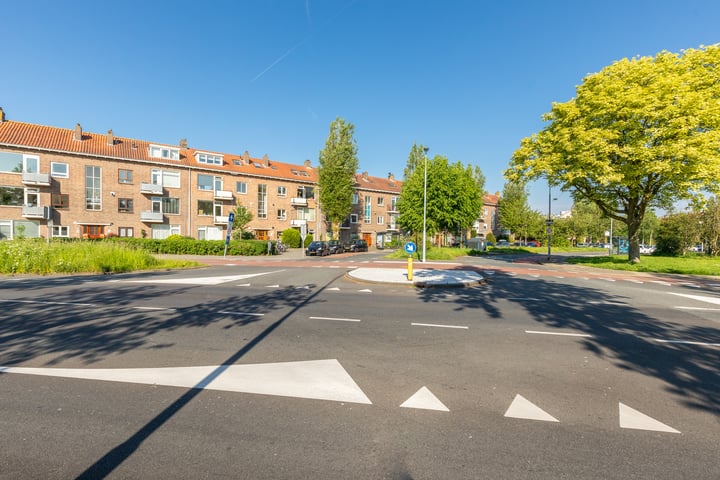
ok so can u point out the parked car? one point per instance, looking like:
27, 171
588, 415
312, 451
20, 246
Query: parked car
358, 245
335, 246
532, 243
318, 249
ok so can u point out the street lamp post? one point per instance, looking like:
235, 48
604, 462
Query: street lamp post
425, 149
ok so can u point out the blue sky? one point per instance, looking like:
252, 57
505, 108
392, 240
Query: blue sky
468, 79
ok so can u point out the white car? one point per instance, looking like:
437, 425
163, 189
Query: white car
646, 249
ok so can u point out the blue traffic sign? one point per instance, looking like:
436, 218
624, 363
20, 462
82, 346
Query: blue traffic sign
410, 247
231, 217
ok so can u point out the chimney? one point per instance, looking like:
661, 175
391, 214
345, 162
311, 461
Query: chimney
365, 176
266, 160
246, 157
391, 176
2, 115
307, 163
78, 132
183, 143
110, 137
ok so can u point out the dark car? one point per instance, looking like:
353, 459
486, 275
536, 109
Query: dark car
318, 249
335, 246
358, 245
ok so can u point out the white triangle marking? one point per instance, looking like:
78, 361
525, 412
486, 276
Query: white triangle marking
315, 379
365, 290
202, 280
631, 418
425, 400
523, 408
333, 289
701, 298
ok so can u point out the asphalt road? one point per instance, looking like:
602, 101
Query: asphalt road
292, 370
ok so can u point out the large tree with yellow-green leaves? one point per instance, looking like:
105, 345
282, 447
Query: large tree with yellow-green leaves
641, 133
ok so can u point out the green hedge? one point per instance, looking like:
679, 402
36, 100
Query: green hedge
179, 245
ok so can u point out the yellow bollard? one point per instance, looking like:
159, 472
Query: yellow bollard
409, 269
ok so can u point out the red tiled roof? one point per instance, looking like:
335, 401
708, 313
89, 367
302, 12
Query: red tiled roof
20, 134
490, 199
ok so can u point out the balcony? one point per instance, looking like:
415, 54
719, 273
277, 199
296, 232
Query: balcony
152, 217
298, 223
221, 219
36, 179
223, 195
43, 212
298, 202
151, 188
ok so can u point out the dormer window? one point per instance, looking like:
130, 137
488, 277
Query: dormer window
168, 153
209, 158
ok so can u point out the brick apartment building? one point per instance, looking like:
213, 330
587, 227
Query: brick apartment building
57, 182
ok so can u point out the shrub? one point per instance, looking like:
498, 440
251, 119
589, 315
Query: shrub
291, 237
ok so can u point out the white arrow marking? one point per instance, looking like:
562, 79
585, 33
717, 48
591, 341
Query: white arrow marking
631, 418
523, 408
333, 289
315, 379
426, 400
202, 280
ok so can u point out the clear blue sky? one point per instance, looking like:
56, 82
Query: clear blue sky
469, 79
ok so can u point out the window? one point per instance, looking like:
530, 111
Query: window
59, 170
305, 213
14, 196
93, 231
209, 158
281, 191
125, 176
353, 218
262, 201
165, 178
368, 209
281, 214
241, 187
205, 207
31, 164
156, 151
171, 205
393, 204
11, 162
355, 199
60, 231
210, 233
380, 220
125, 232
381, 201
93, 185
162, 231
32, 197
125, 205
205, 182
60, 200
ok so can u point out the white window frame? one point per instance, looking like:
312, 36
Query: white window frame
31, 197
243, 189
209, 158
282, 191
60, 231
56, 174
169, 153
206, 187
380, 220
281, 214
166, 178
31, 164
353, 218
381, 201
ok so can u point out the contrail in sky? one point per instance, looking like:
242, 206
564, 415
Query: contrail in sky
280, 59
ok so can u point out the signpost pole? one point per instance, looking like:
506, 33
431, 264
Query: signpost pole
231, 219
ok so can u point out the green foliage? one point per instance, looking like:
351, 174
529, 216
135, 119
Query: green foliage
36, 256
689, 265
490, 237
641, 133
677, 233
709, 218
242, 219
513, 208
336, 172
454, 195
291, 237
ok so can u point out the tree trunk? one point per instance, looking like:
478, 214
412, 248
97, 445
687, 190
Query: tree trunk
634, 239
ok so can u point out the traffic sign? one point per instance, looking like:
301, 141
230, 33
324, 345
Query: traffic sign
410, 248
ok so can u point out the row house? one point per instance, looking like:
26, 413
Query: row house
69, 183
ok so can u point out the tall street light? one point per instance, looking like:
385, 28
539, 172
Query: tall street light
425, 149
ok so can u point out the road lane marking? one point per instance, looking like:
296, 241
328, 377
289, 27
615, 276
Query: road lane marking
525, 409
631, 418
564, 334
314, 379
426, 400
336, 319
41, 302
248, 314
439, 326
701, 298
202, 280
703, 309
156, 308
687, 342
